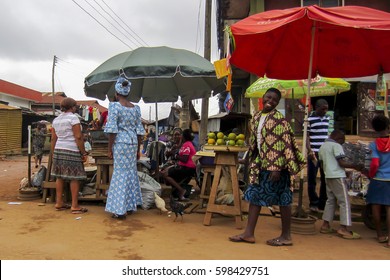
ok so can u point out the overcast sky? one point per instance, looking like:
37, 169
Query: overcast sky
33, 31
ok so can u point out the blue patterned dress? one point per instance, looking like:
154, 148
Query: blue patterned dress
124, 193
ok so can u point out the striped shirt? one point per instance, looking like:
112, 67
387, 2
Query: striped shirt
318, 130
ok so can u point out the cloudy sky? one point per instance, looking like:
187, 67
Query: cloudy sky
85, 33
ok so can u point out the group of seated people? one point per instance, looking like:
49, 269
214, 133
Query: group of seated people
179, 165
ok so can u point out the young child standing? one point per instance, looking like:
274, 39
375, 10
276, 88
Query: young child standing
331, 156
378, 193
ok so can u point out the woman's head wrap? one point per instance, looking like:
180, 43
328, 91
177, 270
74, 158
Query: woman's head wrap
122, 86
177, 129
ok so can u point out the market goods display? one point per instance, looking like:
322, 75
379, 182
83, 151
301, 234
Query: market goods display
221, 139
358, 153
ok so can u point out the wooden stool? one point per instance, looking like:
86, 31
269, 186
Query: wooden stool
104, 172
225, 156
206, 184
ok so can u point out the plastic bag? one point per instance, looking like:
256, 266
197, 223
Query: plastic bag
225, 188
39, 177
358, 153
148, 187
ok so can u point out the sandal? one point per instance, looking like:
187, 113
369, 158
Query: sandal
328, 230
382, 239
63, 207
279, 242
351, 235
119, 217
239, 238
80, 211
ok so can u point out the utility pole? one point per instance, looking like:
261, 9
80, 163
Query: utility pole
207, 55
52, 85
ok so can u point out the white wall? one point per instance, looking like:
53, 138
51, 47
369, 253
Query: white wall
14, 101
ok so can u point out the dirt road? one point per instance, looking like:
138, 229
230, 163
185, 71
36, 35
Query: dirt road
32, 231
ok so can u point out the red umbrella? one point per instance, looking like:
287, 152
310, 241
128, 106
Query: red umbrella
349, 41
298, 43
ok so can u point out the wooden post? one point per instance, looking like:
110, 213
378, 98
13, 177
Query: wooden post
207, 55
52, 85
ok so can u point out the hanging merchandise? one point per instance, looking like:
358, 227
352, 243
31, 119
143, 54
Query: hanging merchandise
229, 102
221, 68
381, 95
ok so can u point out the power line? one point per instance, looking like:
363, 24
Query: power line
101, 24
140, 41
112, 24
198, 32
72, 65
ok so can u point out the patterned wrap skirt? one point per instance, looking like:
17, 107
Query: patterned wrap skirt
124, 193
68, 165
378, 192
268, 193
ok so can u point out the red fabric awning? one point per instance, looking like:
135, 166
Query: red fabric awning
349, 41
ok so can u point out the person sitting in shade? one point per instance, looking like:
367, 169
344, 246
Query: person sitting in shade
185, 168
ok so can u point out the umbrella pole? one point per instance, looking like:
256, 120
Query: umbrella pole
293, 111
29, 156
156, 139
386, 110
300, 213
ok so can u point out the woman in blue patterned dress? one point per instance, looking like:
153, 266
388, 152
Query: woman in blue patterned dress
125, 131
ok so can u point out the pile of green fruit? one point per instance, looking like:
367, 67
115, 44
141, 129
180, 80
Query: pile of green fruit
220, 138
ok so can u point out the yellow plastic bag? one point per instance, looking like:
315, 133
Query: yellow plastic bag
221, 68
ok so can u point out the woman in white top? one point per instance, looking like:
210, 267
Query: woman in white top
69, 153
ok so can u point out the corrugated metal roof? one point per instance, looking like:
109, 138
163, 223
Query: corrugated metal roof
19, 91
7, 107
10, 130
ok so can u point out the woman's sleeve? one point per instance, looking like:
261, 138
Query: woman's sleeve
294, 159
112, 119
139, 127
74, 120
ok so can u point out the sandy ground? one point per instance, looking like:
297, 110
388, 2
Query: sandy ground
35, 231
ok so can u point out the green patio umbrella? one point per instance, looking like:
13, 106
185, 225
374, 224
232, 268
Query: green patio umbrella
319, 86
297, 89
157, 74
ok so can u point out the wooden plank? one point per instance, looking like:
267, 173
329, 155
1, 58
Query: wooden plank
224, 209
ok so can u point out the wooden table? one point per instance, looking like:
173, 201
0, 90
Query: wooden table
104, 172
225, 156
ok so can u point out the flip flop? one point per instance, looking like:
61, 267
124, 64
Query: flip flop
352, 235
118, 217
63, 207
80, 211
238, 238
328, 230
279, 242
383, 239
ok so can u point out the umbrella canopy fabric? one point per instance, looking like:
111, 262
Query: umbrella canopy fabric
299, 43
319, 86
157, 74
349, 41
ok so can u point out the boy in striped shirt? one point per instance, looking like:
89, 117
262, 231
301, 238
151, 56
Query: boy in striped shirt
317, 129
